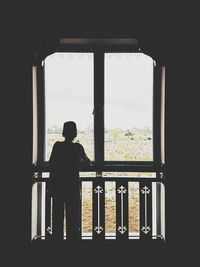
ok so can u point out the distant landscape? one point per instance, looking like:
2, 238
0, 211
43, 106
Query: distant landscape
128, 145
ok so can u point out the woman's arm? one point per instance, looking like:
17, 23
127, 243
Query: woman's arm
83, 157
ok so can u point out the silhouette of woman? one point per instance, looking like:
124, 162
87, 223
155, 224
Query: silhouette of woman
64, 164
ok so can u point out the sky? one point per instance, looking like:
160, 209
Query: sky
128, 86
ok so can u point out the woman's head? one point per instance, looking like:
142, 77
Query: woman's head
69, 130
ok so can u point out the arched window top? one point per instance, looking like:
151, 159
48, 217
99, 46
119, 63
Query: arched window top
66, 44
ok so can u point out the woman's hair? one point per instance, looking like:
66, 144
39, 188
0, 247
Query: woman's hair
69, 130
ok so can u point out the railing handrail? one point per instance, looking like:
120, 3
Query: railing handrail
107, 179
138, 167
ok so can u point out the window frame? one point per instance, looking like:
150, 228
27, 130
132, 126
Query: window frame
99, 50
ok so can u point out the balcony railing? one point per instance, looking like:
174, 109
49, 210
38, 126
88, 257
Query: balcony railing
112, 206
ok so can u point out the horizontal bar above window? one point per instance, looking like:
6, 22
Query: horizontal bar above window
111, 48
98, 41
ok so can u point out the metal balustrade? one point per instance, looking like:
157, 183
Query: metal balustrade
149, 203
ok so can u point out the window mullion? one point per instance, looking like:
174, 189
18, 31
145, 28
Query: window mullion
99, 107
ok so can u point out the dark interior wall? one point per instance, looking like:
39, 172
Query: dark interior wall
177, 35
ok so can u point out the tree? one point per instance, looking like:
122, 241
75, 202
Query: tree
129, 134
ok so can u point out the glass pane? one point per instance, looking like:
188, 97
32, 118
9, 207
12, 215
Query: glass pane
69, 90
128, 107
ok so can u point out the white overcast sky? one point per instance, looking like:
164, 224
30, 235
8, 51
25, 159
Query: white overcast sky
128, 89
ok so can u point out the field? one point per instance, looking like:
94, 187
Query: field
129, 145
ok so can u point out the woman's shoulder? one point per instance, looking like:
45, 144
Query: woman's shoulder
78, 145
79, 148
58, 144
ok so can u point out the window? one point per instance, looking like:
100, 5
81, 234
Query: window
109, 92
114, 91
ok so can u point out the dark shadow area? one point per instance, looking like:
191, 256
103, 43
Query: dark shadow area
177, 33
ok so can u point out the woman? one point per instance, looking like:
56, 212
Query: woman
64, 162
